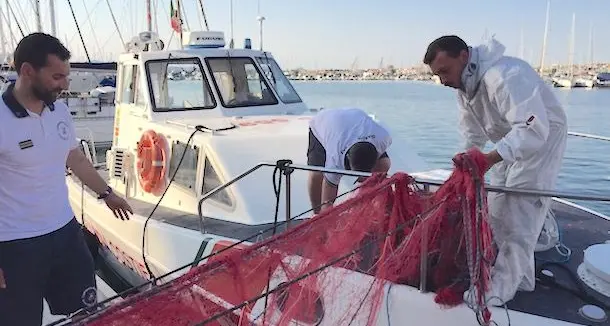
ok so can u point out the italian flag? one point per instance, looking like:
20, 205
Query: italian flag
175, 17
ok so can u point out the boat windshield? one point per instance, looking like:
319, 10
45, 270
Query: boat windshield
239, 82
280, 83
178, 85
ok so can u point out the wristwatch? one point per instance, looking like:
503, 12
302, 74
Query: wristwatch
105, 194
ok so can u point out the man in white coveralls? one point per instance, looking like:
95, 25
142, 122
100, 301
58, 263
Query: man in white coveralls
502, 99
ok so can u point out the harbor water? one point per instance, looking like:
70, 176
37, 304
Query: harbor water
426, 115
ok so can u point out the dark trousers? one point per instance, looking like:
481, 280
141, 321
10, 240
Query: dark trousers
56, 266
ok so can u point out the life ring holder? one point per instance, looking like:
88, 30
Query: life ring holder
152, 161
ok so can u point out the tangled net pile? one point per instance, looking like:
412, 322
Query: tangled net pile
336, 265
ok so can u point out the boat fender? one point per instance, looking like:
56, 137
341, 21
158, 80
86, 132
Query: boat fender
152, 161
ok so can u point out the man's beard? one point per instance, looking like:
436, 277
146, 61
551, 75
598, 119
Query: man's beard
43, 94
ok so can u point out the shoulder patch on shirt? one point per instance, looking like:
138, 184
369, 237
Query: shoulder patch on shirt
26, 144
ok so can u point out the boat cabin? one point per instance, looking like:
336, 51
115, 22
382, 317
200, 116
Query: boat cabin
245, 108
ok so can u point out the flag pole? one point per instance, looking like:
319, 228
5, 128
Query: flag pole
180, 21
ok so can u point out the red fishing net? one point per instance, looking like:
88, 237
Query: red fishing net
332, 269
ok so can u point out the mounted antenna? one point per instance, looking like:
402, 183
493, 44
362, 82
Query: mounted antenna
231, 42
260, 20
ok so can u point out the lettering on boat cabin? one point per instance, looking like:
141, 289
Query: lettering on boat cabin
250, 123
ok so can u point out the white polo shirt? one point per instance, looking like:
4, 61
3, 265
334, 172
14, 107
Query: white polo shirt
33, 153
339, 129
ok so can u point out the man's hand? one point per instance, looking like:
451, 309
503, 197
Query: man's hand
491, 158
118, 206
2, 280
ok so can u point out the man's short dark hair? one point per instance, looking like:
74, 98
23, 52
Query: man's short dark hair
362, 156
35, 49
451, 44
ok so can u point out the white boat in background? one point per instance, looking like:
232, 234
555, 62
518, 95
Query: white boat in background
563, 82
93, 114
573, 82
602, 79
90, 100
570, 80
582, 82
240, 112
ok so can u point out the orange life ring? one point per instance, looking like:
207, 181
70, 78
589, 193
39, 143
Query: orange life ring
152, 161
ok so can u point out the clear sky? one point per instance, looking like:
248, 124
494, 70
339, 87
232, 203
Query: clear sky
337, 33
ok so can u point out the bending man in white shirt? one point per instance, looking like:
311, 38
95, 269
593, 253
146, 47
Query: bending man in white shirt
343, 139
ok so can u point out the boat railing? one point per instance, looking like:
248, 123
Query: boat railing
90, 150
589, 136
287, 168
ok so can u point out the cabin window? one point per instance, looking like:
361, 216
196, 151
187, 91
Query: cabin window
187, 174
211, 180
239, 82
141, 88
95, 151
178, 85
278, 80
128, 84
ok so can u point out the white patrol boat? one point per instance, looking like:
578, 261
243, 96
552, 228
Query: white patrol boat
230, 110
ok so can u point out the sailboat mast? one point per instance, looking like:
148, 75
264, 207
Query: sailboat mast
2, 38
116, 25
179, 5
148, 16
546, 34
522, 46
591, 43
571, 57
52, 16
37, 13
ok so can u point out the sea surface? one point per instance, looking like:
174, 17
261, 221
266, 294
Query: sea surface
425, 115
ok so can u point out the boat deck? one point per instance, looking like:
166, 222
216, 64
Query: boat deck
579, 230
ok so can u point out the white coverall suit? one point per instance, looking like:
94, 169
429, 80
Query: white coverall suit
505, 101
